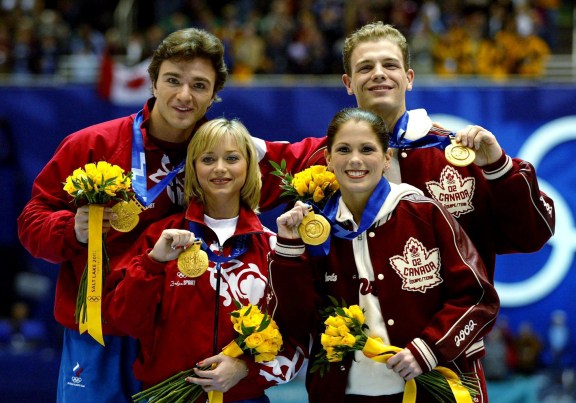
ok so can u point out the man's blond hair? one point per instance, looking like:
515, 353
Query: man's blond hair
373, 32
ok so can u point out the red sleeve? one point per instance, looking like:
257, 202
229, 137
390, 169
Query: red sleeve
46, 224
521, 207
471, 305
296, 316
133, 295
298, 156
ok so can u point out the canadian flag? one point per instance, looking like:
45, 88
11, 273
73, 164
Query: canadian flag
124, 85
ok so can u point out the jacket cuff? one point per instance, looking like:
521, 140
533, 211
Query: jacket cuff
499, 168
152, 266
289, 247
423, 354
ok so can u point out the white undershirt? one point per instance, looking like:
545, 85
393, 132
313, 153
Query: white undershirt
368, 377
224, 228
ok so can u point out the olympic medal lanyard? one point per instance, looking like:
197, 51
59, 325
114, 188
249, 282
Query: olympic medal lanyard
371, 210
239, 248
397, 139
139, 177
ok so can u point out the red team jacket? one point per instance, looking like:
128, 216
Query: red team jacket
500, 206
46, 224
435, 296
173, 315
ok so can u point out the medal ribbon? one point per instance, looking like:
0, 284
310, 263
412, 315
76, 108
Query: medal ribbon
240, 247
231, 350
371, 210
139, 178
93, 305
376, 350
397, 139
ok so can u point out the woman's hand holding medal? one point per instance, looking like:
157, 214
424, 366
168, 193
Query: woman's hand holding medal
301, 222
182, 245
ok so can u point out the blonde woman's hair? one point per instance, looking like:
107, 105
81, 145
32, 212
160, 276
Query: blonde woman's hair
206, 138
370, 33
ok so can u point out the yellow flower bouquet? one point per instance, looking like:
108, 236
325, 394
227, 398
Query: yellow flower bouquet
345, 333
97, 185
258, 335
315, 184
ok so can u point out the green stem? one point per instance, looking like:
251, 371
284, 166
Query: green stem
81, 297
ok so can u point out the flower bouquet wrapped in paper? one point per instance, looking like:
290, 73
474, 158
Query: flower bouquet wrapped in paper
312, 185
345, 333
258, 336
97, 185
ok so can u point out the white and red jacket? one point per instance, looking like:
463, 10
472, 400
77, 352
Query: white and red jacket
173, 316
417, 274
500, 206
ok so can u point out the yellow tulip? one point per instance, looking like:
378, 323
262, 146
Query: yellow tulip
69, 186
300, 186
331, 331
349, 340
334, 321
343, 330
318, 194
317, 170
332, 355
267, 347
254, 340
356, 312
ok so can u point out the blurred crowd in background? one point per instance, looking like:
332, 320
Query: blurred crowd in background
451, 37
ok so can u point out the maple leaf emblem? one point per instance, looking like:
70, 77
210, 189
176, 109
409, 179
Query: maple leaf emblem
418, 267
453, 191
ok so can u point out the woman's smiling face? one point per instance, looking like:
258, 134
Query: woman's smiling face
358, 159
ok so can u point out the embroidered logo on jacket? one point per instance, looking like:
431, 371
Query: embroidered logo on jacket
175, 190
76, 378
453, 191
419, 268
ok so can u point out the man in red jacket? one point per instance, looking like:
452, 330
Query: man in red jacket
496, 198
187, 71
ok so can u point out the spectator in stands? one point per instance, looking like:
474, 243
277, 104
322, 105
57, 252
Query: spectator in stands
558, 343
311, 27
495, 369
528, 349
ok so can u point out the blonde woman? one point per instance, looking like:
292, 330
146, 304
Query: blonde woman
182, 318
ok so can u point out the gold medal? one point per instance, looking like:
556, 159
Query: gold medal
459, 155
193, 262
314, 229
127, 215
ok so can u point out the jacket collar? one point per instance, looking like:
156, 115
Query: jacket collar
248, 221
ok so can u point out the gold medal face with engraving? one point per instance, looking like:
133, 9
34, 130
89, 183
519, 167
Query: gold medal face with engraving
314, 229
127, 215
459, 155
193, 262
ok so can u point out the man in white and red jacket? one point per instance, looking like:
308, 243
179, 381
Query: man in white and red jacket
496, 199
